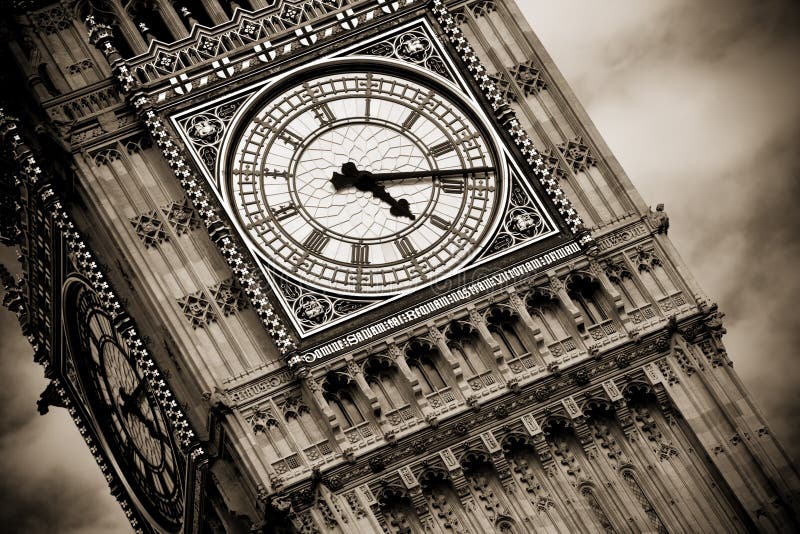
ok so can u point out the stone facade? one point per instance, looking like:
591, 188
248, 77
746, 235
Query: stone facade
594, 395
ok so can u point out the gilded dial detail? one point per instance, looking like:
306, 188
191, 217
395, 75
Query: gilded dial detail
363, 182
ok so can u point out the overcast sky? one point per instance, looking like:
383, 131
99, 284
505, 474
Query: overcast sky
697, 99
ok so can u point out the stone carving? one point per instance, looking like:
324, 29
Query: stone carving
228, 296
645, 259
414, 46
198, 309
314, 309
150, 228
528, 77
617, 271
522, 221
53, 20
181, 216
552, 163
205, 130
482, 8
577, 154
659, 219
262, 420
504, 86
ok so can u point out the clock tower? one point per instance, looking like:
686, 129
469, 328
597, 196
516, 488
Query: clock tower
359, 266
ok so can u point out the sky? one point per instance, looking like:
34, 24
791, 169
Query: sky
697, 100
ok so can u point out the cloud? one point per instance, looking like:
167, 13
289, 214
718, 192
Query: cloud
50, 481
698, 102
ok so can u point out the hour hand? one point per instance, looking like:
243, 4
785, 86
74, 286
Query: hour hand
398, 207
347, 178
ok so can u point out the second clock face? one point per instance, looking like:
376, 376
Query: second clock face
363, 183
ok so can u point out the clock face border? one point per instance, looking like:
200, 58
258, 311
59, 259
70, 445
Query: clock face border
77, 358
285, 291
360, 67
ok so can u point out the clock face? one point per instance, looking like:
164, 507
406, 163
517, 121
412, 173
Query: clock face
129, 417
363, 182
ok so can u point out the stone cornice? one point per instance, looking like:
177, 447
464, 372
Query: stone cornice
542, 399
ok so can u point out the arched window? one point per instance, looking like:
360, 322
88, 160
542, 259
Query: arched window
266, 425
597, 509
587, 296
652, 272
381, 376
630, 479
300, 423
554, 326
337, 391
398, 511
621, 276
420, 358
503, 325
462, 339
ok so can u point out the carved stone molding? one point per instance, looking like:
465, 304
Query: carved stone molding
528, 77
181, 216
577, 154
198, 309
150, 228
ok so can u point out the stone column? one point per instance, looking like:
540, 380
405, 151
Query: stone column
314, 390
441, 345
354, 370
171, 19
477, 320
399, 358
214, 11
616, 298
533, 331
128, 28
557, 287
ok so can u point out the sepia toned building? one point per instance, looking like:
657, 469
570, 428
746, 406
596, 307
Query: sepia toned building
359, 266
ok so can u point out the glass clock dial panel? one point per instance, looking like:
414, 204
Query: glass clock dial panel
417, 200
130, 419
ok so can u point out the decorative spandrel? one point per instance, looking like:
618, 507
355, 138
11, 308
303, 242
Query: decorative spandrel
206, 130
413, 45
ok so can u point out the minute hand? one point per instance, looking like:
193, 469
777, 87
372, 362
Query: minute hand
383, 176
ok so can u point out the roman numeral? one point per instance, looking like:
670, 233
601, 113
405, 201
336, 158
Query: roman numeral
439, 222
268, 123
410, 120
316, 241
441, 149
405, 247
452, 184
323, 113
285, 211
360, 255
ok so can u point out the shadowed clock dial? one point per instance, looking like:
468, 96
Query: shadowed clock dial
363, 182
126, 413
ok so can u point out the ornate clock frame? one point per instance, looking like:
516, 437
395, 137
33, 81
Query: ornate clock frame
171, 103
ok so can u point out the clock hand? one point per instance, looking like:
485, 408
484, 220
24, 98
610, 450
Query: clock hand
351, 174
349, 177
129, 405
384, 176
364, 181
399, 207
